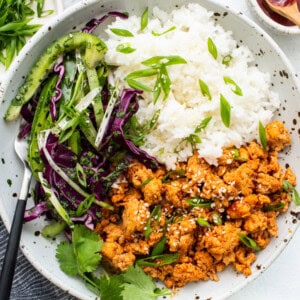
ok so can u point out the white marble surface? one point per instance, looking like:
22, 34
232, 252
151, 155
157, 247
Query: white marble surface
280, 280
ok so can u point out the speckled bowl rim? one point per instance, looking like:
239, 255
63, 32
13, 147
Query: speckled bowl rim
270, 23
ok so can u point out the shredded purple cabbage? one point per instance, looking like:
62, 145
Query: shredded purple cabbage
36, 211
94, 23
127, 107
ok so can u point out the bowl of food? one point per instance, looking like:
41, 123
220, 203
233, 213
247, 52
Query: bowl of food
163, 141
271, 17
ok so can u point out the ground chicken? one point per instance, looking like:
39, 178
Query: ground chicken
180, 236
267, 184
243, 260
135, 216
221, 240
277, 136
198, 212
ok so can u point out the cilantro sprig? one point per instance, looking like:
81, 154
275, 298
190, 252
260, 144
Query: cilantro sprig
82, 257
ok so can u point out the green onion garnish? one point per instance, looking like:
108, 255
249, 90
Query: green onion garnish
225, 111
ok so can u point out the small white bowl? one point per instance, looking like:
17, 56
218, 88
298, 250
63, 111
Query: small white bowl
269, 22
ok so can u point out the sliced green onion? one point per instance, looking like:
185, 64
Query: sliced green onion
81, 177
247, 241
262, 135
121, 32
274, 207
144, 19
193, 139
225, 110
178, 173
202, 125
203, 222
155, 214
287, 186
138, 85
142, 73
165, 81
226, 60
156, 61
236, 89
204, 89
212, 49
199, 202
164, 259
125, 48
158, 249
84, 205
145, 182
162, 33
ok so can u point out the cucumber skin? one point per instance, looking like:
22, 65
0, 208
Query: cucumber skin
94, 47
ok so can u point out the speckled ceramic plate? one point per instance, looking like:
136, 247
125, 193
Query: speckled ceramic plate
268, 57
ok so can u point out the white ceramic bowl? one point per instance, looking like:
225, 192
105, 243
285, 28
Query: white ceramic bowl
269, 22
41, 252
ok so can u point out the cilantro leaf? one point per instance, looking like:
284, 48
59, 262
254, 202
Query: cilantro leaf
82, 255
108, 288
138, 285
67, 258
86, 245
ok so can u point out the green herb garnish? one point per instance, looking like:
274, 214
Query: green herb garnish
247, 241
262, 135
155, 215
121, 32
138, 285
274, 207
145, 182
202, 222
168, 177
162, 33
236, 89
199, 202
125, 48
80, 174
202, 125
158, 260
225, 111
212, 49
236, 155
144, 19
287, 186
226, 60
204, 89
157, 67
157, 61
136, 132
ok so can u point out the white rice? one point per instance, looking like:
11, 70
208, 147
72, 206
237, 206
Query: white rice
186, 107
